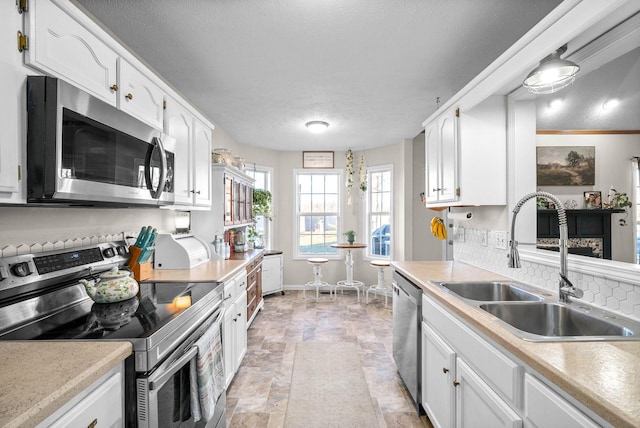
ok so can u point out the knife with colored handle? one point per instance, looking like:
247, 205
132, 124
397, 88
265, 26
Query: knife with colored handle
143, 230
147, 249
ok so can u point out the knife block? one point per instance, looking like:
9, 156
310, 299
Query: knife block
141, 271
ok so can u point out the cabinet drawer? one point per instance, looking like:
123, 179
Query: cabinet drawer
103, 405
544, 408
500, 372
251, 292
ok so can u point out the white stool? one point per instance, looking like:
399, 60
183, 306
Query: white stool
381, 287
317, 278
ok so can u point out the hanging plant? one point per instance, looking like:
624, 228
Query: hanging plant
362, 174
349, 180
262, 203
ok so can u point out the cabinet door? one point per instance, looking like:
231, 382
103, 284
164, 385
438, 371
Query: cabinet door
448, 133
62, 47
138, 95
240, 328
12, 109
228, 200
178, 123
432, 162
478, 405
236, 213
545, 408
228, 347
438, 374
201, 164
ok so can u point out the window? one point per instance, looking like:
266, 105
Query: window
263, 177
317, 212
378, 211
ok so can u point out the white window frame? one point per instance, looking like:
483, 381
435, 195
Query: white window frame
268, 171
296, 215
367, 212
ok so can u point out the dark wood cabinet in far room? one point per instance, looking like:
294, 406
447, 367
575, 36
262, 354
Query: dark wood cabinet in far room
589, 231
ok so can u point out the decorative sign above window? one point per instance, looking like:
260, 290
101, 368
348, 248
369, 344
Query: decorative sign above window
317, 159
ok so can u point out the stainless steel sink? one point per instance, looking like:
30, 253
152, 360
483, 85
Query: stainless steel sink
541, 321
492, 291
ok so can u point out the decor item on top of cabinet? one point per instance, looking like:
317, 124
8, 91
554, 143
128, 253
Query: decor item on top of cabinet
351, 236
565, 165
349, 179
593, 200
362, 174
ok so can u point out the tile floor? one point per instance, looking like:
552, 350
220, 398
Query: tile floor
258, 395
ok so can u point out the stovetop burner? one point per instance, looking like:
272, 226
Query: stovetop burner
41, 299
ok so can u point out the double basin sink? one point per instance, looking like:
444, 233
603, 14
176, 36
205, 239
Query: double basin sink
534, 314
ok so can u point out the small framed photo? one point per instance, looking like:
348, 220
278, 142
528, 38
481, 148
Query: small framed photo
317, 159
593, 200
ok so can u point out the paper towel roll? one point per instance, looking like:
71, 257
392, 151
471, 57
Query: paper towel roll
460, 216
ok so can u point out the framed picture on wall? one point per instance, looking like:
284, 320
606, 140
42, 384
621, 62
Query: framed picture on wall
593, 200
566, 165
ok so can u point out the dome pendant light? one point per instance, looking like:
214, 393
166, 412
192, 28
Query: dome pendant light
317, 126
552, 74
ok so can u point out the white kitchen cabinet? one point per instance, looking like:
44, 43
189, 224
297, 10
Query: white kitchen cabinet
441, 139
234, 327
192, 180
272, 267
202, 142
227, 183
61, 46
138, 95
544, 408
12, 110
100, 404
492, 388
466, 156
478, 405
438, 375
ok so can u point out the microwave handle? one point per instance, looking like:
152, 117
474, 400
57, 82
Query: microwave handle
156, 142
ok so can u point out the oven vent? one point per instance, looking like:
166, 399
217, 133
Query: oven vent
142, 400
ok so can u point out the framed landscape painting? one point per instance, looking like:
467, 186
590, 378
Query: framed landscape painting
566, 165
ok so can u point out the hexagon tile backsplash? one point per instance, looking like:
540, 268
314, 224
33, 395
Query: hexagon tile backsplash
41, 247
616, 296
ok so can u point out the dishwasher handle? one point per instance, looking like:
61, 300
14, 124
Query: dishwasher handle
398, 290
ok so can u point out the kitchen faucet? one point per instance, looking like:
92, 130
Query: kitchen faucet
565, 288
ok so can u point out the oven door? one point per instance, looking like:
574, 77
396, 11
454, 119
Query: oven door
100, 155
163, 396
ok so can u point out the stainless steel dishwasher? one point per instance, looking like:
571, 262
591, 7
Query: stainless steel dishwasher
407, 344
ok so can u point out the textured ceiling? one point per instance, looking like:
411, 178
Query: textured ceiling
582, 101
260, 69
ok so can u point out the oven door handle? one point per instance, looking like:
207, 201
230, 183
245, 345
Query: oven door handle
160, 378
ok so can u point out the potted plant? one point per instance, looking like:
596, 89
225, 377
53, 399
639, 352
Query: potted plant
351, 236
620, 200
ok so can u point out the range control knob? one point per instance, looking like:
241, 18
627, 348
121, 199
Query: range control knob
109, 252
121, 250
21, 269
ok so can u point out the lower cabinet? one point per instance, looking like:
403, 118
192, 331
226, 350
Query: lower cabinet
101, 404
234, 327
468, 381
452, 392
254, 288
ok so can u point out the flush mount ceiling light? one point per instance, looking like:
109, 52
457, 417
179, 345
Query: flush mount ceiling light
552, 74
610, 104
317, 126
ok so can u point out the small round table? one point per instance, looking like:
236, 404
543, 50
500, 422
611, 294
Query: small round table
349, 282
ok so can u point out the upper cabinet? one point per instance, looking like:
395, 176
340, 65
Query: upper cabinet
62, 46
138, 95
192, 181
466, 156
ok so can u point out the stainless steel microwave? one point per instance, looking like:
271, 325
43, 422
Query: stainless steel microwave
83, 151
